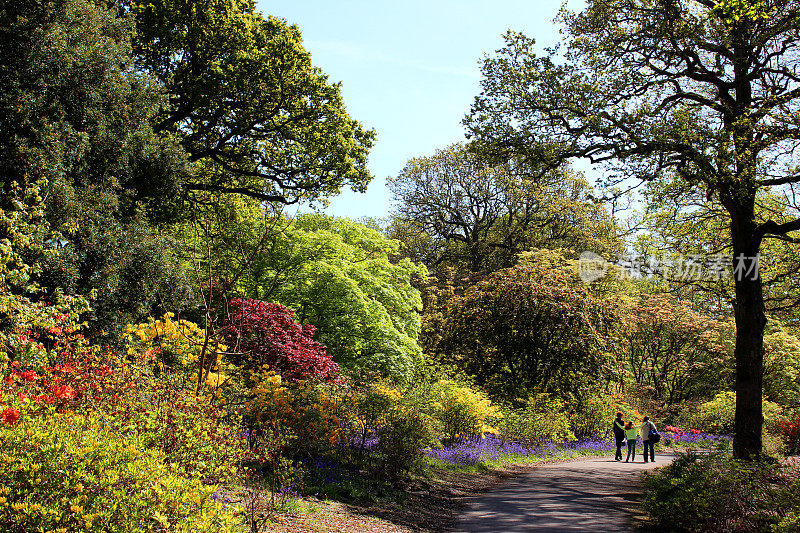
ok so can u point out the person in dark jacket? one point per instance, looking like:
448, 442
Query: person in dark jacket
619, 435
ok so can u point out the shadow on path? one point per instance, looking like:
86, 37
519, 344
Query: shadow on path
593, 494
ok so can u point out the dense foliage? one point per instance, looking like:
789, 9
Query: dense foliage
453, 210
265, 335
531, 327
717, 493
132, 111
245, 100
78, 114
700, 94
343, 277
70, 472
179, 354
673, 351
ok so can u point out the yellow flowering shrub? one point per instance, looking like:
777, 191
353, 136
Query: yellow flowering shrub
178, 349
404, 427
271, 402
464, 411
71, 473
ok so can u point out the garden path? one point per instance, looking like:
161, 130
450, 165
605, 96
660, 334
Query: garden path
591, 494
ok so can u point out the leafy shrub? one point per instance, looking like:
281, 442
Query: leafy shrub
401, 440
592, 416
71, 473
306, 412
180, 348
78, 382
544, 418
790, 431
717, 493
386, 428
672, 353
717, 415
781, 365
197, 438
29, 329
787, 506
366, 404
463, 411
261, 333
192, 434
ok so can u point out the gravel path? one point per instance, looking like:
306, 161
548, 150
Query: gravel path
593, 494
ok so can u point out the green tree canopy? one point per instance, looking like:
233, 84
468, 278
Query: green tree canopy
128, 109
674, 352
682, 224
534, 327
705, 92
244, 97
341, 277
77, 112
455, 211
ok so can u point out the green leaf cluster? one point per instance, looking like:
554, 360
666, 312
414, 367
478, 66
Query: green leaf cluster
343, 278
531, 328
245, 99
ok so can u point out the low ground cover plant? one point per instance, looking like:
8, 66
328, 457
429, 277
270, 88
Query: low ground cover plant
494, 451
701, 492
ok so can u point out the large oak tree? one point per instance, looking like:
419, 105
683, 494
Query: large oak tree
455, 210
706, 92
245, 99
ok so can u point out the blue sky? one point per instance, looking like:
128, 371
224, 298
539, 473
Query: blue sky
408, 69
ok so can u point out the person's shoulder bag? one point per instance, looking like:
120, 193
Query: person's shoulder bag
653, 435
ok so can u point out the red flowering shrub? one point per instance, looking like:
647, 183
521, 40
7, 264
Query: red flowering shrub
261, 333
69, 383
77, 377
54, 364
74, 385
790, 431
10, 415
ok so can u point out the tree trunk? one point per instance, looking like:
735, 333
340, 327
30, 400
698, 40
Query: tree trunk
749, 352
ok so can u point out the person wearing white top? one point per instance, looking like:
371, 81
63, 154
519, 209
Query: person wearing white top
647, 427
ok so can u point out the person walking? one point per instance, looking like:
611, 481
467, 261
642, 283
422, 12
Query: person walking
649, 438
631, 434
619, 435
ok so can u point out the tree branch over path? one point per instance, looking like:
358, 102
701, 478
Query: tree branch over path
701, 93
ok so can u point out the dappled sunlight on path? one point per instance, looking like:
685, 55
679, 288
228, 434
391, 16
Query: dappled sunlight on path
593, 494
